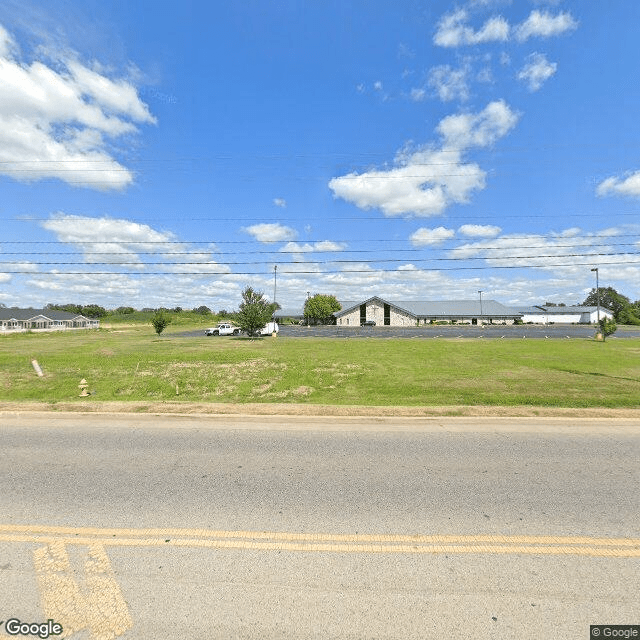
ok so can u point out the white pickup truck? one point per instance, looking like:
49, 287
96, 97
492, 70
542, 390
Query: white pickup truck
223, 329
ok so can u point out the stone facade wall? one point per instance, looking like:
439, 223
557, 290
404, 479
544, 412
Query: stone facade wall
401, 319
398, 318
375, 312
351, 319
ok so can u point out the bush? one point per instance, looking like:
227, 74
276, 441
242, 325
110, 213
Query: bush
607, 327
160, 321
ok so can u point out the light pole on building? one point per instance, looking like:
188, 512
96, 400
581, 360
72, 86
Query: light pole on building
597, 293
481, 322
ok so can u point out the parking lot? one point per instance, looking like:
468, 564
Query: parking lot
500, 332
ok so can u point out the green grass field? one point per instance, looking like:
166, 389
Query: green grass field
132, 363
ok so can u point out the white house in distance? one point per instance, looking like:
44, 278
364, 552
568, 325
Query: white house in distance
563, 315
14, 319
399, 313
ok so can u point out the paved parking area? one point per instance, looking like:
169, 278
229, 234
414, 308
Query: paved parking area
500, 332
455, 331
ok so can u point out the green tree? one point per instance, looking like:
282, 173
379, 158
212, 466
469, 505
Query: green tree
202, 310
255, 311
94, 311
623, 310
321, 308
160, 321
607, 327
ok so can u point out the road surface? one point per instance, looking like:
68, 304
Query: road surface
153, 527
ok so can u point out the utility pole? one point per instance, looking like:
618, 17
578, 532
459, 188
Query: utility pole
275, 273
597, 293
481, 322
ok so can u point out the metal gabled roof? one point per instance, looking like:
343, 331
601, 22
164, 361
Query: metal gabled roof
435, 308
13, 313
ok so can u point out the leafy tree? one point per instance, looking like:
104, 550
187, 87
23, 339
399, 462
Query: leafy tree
94, 311
623, 311
321, 307
160, 321
124, 310
607, 327
202, 310
628, 315
255, 311
90, 310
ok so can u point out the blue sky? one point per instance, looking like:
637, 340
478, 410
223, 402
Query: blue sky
162, 154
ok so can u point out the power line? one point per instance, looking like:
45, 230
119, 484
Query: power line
307, 241
370, 271
341, 261
282, 252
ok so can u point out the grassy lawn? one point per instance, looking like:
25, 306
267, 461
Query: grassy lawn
132, 363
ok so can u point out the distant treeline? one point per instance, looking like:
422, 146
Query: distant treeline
96, 311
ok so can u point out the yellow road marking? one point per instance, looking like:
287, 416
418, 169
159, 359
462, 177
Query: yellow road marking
96, 605
322, 542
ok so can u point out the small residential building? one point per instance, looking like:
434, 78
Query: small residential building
563, 315
398, 313
14, 319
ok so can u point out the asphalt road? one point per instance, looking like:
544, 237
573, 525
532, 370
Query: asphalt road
500, 332
152, 527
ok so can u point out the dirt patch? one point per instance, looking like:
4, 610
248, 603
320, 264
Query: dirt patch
294, 409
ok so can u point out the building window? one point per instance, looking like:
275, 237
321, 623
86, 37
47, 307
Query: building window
387, 314
363, 313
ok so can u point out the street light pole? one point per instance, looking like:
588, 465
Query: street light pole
481, 322
597, 293
308, 294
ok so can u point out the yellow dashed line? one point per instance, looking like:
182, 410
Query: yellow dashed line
321, 542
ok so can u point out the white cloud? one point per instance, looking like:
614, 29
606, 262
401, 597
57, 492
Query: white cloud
544, 25
425, 182
298, 250
536, 250
482, 129
280, 202
453, 30
628, 185
479, 230
424, 237
377, 85
18, 266
271, 232
329, 245
129, 244
59, 121
109, 239
418, 94
537, 71
450, 84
